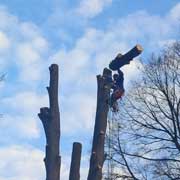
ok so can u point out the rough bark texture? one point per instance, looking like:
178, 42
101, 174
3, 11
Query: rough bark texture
50, 118
125, 59
97, 154
75, 162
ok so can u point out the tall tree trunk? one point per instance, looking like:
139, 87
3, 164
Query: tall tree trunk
75, 162
97, 154
50, 118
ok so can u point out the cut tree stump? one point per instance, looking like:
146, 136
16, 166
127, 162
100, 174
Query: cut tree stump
50, 118
97, 153
75, 162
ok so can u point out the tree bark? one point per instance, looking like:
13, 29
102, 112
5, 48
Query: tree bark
50, 118
125, 59
97, 153
75, 162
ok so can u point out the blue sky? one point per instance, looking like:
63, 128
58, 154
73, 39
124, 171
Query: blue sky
82, 36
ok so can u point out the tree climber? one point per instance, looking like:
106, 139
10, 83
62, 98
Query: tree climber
118, 89
115, 65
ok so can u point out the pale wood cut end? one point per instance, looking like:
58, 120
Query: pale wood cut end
139, 47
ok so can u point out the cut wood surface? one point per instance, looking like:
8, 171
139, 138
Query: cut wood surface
122, 60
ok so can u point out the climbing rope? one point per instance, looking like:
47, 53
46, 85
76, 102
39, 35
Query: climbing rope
110, 130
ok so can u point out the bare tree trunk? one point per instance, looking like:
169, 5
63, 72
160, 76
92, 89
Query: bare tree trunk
50, 118
75, 162
97, 154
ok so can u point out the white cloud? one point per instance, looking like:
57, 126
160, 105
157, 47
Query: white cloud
27, 45
4, 41
78, 68
26, 54
21, 110
131, 72
7, 20
79, 110
175, 12
96, 48
71, 62
19, 126
23, 163
91, 8
91, 53
29, 30
27, 102
40, 44
24, 51
29, 60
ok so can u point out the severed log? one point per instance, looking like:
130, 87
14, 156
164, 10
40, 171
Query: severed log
97, 153
75, 162
122, 60
50, 118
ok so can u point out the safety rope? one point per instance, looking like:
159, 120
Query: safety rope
111, 127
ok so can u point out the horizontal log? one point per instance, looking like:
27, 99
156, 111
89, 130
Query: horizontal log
122, 60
